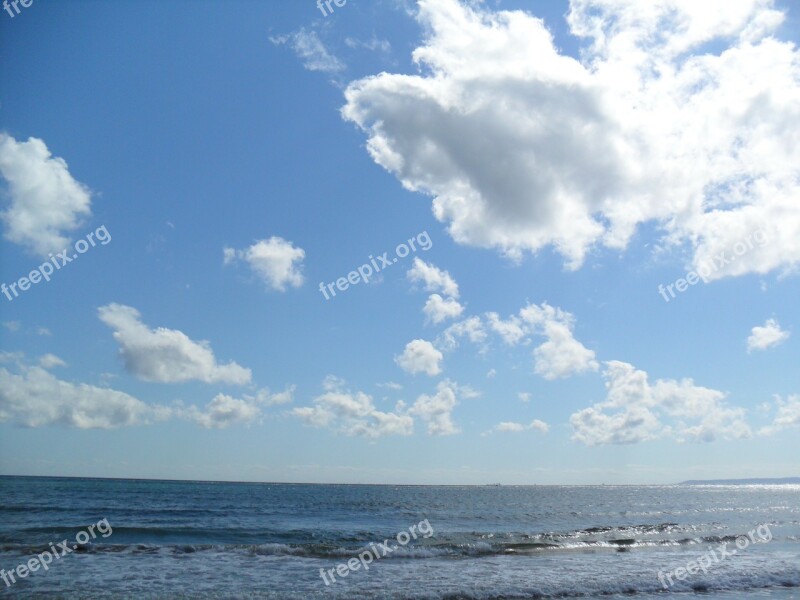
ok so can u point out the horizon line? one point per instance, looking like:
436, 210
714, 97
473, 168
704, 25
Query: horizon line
752, 480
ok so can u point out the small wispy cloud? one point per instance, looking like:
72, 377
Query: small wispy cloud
372, 44
390, 385
310, 49
512, 427
48, 361
788, 415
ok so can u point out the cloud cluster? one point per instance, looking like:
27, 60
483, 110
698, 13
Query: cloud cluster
434, 279
680, 114
46, 202
437, 410
636, 411
559, 356
224, 410
277, 262
353, 413
166, 355
33, 397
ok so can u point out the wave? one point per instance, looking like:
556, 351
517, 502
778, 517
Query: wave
419, 549
328, 543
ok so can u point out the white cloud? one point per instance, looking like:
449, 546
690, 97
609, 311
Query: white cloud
433, 278
465, 391
420, 356
594, 427
511, 330
11, 357
491, 373
332, 383
438, 309
45, 201
354, 414
12, 326
766, 336
513, 427
437, 410
507, 426
43, 331
275, 260
224, 410
788, 415
522, 147
35, 398
471, 328
372, 44
272, 399
166, 355
561, 355
48, 361
390, 385
310, 49
524, 396
635, 411
540, 426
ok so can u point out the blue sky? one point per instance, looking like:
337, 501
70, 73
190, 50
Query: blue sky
559, 162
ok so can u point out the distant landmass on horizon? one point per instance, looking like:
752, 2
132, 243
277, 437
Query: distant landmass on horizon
766, 480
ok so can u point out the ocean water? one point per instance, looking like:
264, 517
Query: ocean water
169, 539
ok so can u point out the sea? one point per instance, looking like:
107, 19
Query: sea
197, 539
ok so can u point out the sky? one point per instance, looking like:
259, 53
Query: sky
434, 242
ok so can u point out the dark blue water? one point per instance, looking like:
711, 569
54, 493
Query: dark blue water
242, 540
